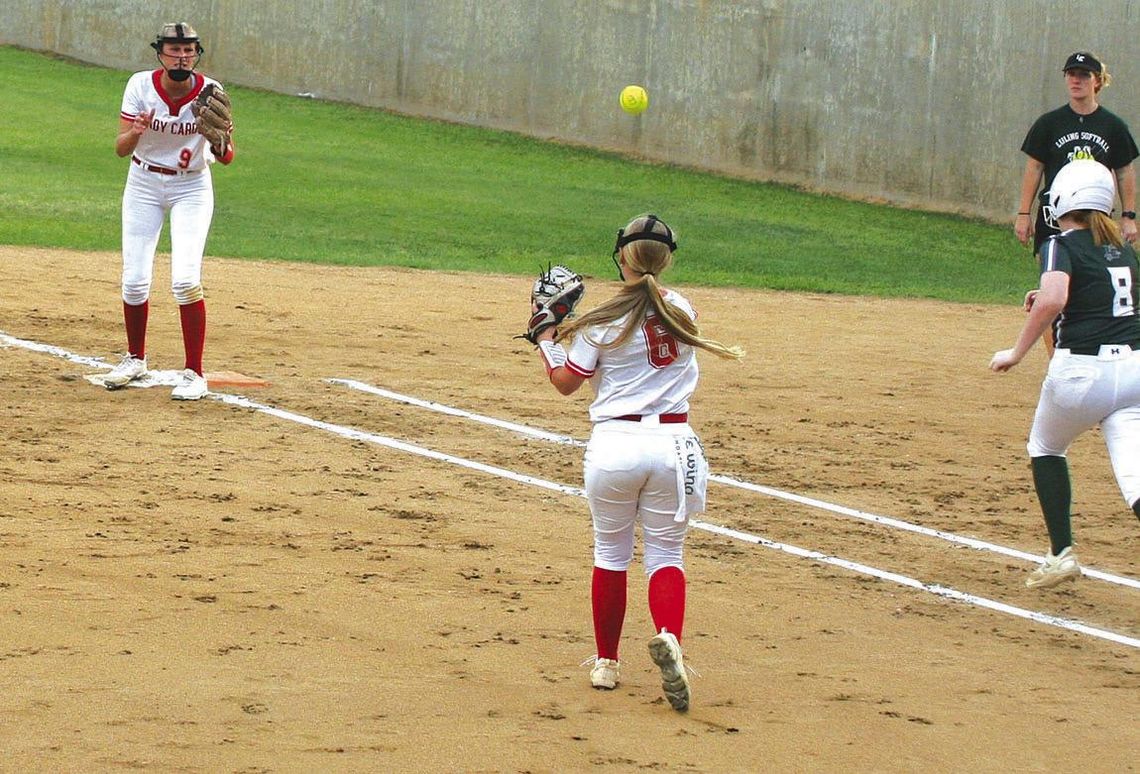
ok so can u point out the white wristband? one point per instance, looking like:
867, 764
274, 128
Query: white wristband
553, 355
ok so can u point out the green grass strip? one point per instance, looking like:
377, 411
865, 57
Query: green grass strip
339, 184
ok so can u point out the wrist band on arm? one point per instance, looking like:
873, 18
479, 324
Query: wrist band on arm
553, 355
1023, 213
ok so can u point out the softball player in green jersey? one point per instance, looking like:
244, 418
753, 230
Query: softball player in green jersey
1088, 294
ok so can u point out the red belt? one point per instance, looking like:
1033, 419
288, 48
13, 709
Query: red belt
159, 170
665, 419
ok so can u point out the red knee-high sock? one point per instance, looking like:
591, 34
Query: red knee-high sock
193, 318
135, 319
608, 594
667, 599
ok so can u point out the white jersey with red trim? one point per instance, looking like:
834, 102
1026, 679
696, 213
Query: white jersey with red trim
652, 373
173, 140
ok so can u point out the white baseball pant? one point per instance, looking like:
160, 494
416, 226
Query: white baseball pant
148, 196
655, 474
1081, 391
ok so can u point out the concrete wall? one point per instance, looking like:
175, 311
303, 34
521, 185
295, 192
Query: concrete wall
920, 103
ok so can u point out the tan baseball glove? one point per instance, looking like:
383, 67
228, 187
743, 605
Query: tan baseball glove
215, 122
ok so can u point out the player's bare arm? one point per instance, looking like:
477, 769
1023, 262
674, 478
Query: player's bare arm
1030, 182
1045, 305
130, 132
1126, 185
553, 297
564, 380
1047, 336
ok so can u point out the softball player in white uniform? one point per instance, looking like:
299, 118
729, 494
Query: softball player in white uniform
1088, 294
643, 461
169, 172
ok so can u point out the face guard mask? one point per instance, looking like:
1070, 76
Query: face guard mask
179, 32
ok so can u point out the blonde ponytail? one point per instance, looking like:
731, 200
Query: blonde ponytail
638, 299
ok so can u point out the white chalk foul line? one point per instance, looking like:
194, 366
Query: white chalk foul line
907, 526
48, 349
392, 443
455, 412
942, 591
933, 588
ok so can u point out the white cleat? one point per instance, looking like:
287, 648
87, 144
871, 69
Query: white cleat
191, 386
666, 654
606, 674
1056, 569
128, 369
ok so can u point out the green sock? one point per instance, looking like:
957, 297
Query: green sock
1054, 492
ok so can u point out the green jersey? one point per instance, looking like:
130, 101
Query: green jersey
1102, 292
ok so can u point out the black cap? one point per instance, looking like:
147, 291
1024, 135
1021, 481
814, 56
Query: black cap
1082, 60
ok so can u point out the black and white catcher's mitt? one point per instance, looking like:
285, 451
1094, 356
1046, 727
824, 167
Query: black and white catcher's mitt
552, 299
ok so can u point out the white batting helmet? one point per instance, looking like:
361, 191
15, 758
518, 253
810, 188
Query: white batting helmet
1082, 184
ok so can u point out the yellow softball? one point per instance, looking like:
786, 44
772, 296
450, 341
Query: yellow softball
634, 100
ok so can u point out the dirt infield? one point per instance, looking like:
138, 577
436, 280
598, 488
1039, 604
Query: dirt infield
205, 587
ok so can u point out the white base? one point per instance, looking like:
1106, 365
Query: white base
150, 379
